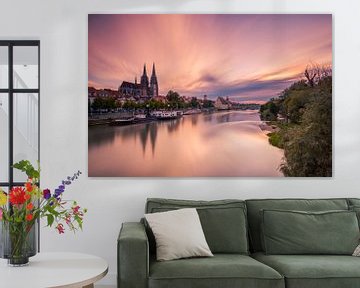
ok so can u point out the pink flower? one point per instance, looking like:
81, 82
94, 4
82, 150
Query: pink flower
68, 219
1, 213
60, 228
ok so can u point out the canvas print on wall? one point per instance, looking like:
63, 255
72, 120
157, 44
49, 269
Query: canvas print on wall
210, 95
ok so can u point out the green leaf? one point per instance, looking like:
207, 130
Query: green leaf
26, 167
50, 219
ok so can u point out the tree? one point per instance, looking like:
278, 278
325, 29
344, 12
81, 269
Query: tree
307, 137
174, 100
194, 103
129, 105
308, 146
172, 96
269, 111
98, 103
107, 103
294, 105
208, 104
314, 73
310, 75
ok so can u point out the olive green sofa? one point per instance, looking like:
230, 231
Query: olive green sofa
233, 230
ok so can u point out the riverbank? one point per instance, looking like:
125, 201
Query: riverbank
267, 126
110, 118
273, 133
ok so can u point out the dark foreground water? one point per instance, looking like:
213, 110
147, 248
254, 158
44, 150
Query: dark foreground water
219, 144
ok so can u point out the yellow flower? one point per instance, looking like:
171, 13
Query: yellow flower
3, 198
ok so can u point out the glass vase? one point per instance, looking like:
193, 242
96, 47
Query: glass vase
18, 242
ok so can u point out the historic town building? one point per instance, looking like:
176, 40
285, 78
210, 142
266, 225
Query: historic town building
222, 104
144, 89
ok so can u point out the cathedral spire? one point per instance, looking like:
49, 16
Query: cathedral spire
153, 74
154, 88
144, 82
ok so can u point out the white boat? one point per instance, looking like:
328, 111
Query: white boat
166, 115
140, 116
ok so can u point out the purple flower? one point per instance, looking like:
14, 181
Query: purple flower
46, 194
64, 183
58, 192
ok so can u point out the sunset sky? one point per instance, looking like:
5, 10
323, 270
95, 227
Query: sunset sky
249, 58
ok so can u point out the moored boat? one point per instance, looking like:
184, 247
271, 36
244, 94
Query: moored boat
167, 115
192, 111
121, 122
140, 116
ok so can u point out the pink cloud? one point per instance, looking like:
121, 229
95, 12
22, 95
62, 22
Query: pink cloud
200, 54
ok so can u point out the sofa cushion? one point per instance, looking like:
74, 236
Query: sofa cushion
222, 270
255, 206
356, 209
314, 271
297, 232
224, 222
353, 201
178, 234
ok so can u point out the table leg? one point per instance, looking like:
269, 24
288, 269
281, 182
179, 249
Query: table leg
89, 286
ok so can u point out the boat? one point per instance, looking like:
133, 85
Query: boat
192, 111
140, 116
143, 118
123, 121
166, 115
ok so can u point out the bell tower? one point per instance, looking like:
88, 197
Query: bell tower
144, 82
154, 88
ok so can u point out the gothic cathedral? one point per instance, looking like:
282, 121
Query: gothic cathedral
144, 89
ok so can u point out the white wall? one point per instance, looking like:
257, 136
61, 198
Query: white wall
62, 28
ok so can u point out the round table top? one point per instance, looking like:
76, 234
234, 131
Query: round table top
68, 270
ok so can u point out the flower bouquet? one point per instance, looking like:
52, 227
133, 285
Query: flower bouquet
21, 208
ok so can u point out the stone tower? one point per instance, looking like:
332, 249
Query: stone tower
144, 82
154, 88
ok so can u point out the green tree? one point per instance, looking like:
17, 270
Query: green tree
194, 103
208, 104
172, 96
308, 145
104, 103
294, 104
129, 105
269, 111
174, 100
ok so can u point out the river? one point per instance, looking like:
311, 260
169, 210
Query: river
220, 144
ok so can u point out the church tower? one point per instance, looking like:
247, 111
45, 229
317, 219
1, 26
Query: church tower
154, 88
144, 82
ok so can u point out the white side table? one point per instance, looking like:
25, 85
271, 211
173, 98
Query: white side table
50, 270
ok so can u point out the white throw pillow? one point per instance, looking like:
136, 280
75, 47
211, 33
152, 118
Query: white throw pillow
357, 251
178, 234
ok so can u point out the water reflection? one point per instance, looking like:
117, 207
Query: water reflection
220, 144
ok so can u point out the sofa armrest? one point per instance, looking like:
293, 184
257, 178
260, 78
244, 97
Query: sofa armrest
133, 256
